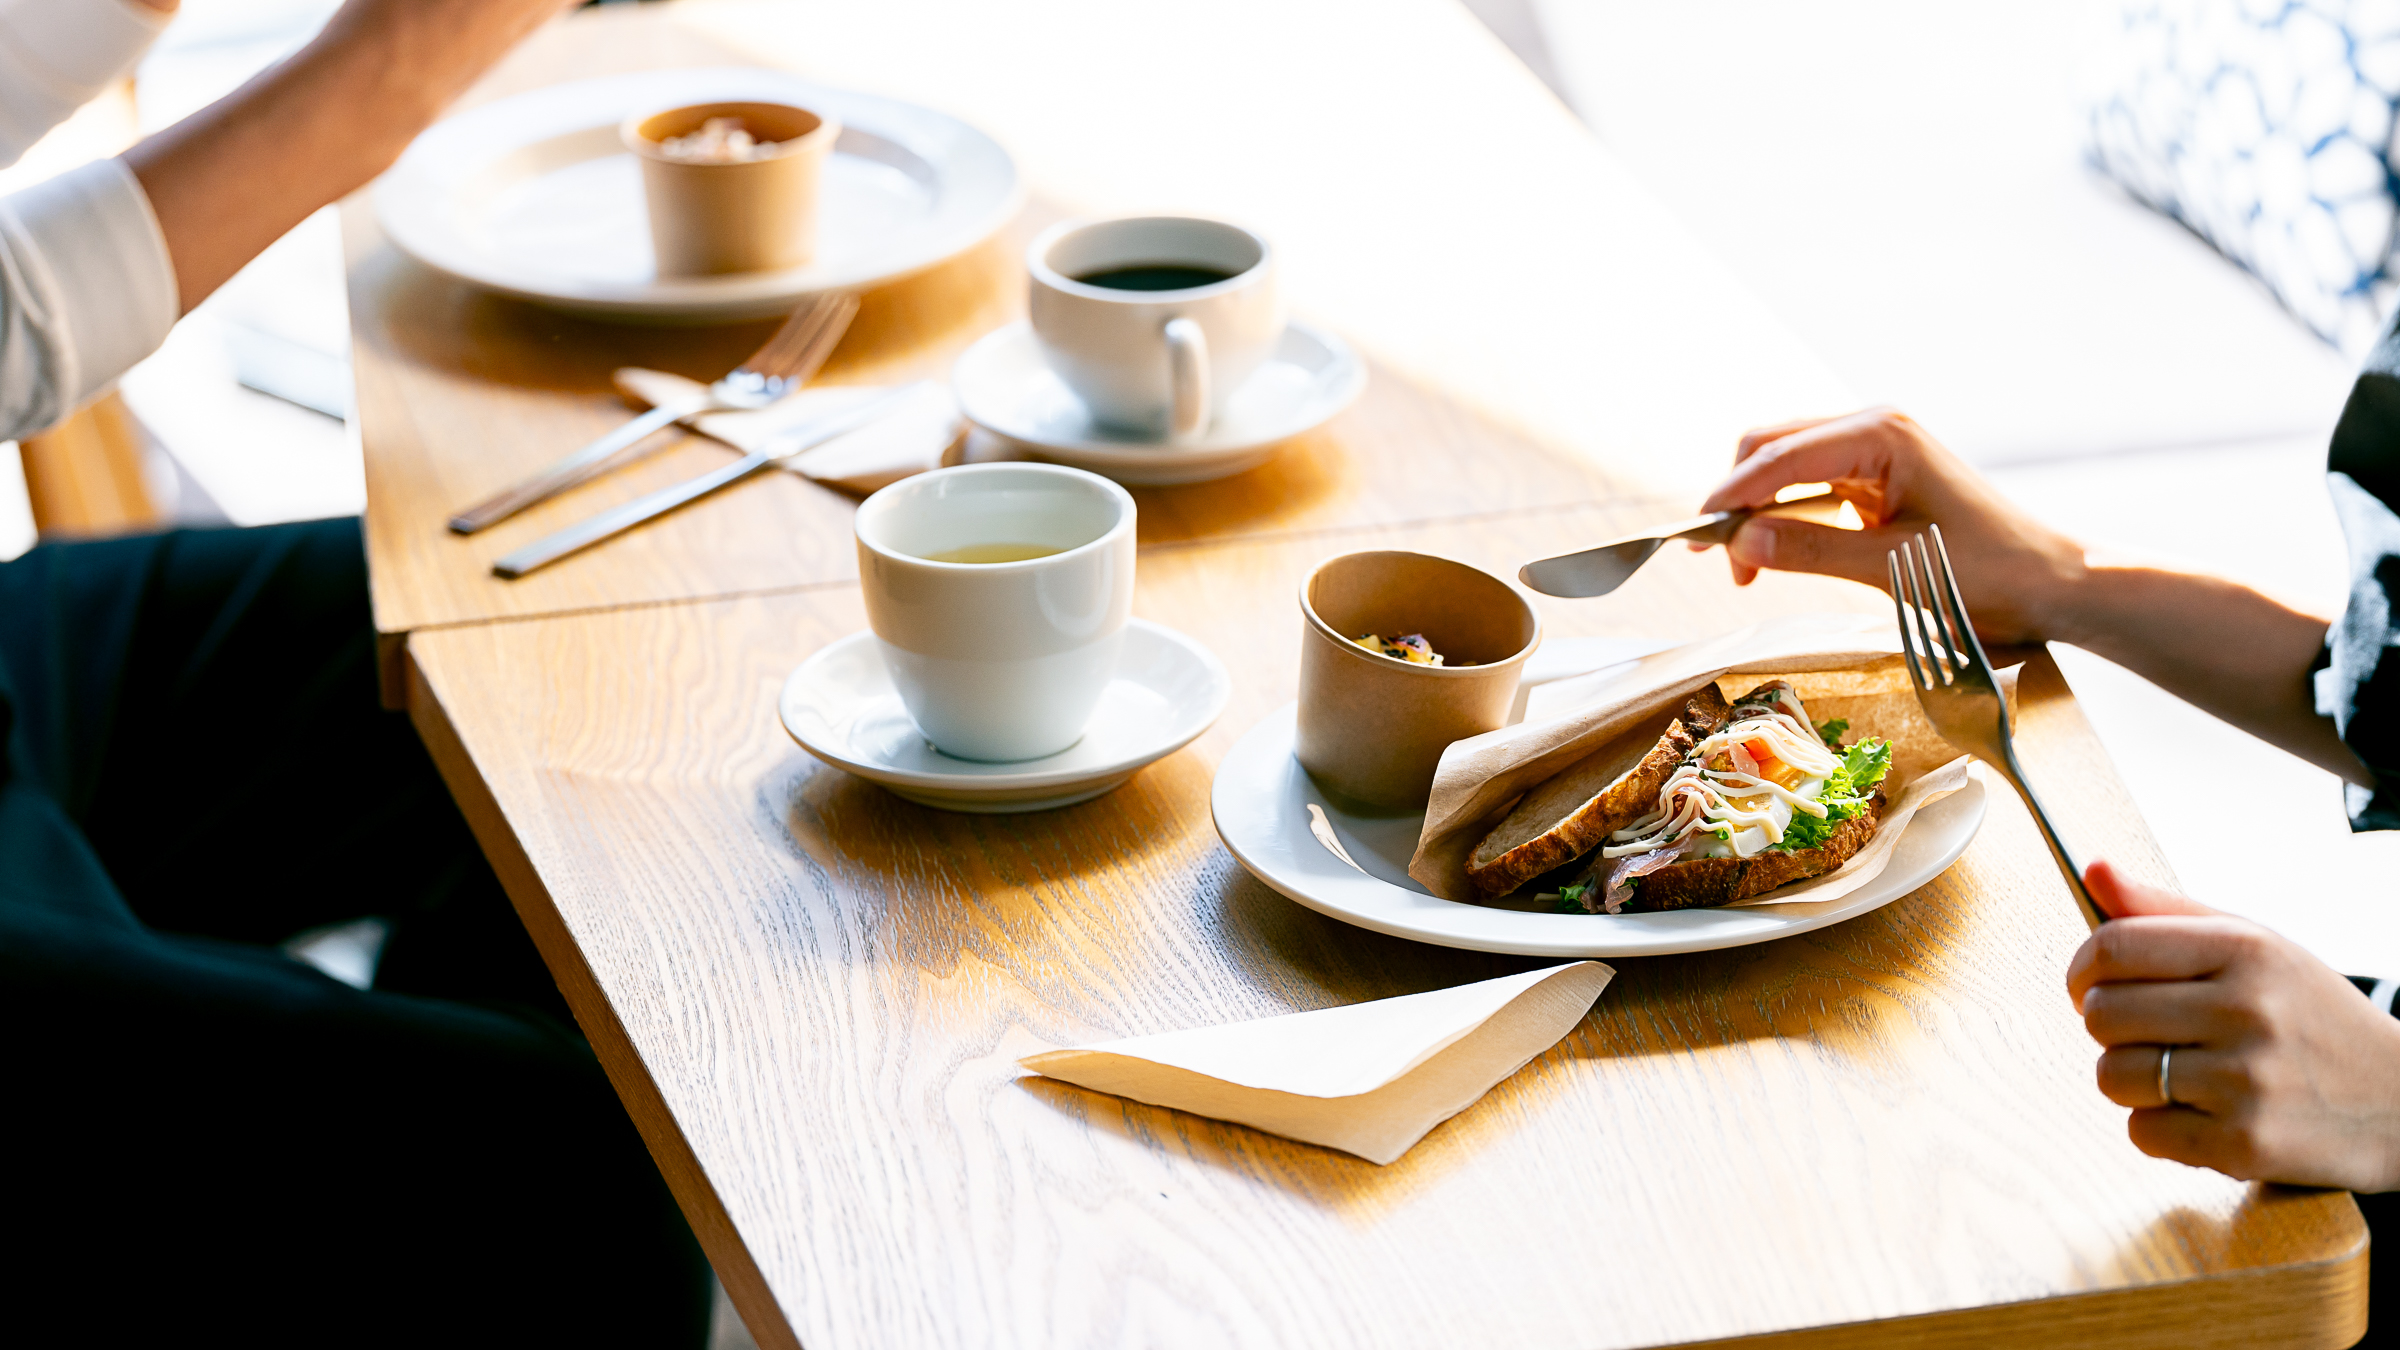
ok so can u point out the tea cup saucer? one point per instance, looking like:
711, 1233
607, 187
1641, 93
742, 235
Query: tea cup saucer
840, 706
1004, 387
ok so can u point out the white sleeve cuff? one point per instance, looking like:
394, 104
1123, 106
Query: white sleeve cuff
57, 55
86, 290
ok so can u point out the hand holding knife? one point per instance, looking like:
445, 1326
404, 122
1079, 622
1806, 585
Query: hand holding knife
1604, 567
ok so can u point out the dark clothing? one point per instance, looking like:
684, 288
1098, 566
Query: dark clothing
207, 1135
2358, 676
2358, 680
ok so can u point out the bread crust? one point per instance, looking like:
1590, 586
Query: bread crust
1570, 813
1697, 883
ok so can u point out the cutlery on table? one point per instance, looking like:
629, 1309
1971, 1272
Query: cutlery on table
923, 434
1604, 567
785, 363
1954, 684
575, 538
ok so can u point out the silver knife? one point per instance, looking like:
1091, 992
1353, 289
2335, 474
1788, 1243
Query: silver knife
616, 520
1604, 567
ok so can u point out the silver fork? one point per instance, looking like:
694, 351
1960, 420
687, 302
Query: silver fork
781, 366
1954, 685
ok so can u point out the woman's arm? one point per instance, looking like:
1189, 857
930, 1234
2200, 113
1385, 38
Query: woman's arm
2241, 655
234, 177
2280, 1071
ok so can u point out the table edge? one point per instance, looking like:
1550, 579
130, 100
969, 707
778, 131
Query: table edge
2320, 1304
687, 1180
2249, 1306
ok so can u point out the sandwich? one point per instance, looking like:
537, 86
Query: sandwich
1574, 812
1753, 797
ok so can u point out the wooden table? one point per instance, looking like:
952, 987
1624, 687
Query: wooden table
811, 995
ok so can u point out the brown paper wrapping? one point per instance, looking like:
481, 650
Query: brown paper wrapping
1842, 665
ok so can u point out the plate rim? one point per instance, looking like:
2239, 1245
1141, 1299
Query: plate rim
412, 227
1346, 377
1278, 727
980, 785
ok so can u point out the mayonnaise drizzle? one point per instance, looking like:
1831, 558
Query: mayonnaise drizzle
1697, 797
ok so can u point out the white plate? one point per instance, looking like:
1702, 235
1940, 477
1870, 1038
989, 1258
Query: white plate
841, 707
534, 196
1005, 388
1262, 800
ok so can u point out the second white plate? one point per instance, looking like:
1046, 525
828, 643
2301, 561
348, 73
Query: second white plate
534, 196
1283, 828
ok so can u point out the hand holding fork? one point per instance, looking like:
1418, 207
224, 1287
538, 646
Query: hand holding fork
1954, 684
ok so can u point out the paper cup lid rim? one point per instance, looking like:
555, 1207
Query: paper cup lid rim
1533, 639
828, 128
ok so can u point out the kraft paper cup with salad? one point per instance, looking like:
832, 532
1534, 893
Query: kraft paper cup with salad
1373, 727
731, 187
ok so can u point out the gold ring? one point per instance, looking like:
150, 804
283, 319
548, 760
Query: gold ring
2166, 1083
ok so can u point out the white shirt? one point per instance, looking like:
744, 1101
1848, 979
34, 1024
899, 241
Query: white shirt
86, 287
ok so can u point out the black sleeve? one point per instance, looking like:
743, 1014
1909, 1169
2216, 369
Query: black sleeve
2357, 678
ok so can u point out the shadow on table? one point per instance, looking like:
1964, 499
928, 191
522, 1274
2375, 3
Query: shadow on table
1126, 916
2273, 1225
1358, 1191
910, 329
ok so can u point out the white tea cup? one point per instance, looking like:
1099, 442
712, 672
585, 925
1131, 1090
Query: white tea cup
1154, 321
998, 594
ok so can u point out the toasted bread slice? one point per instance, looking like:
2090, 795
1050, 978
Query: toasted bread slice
1568, 814
1695, 883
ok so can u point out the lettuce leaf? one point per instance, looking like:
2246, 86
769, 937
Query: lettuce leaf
1846, 792
1862, 768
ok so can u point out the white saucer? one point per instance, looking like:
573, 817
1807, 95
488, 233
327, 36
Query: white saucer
1267, 811
841, 707
535, 197
1005, 388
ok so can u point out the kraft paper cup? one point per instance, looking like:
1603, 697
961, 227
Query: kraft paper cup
1373, 728
756, 215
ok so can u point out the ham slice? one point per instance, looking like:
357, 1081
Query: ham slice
1622, 871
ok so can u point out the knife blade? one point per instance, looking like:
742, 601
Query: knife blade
1604, 567
611, 523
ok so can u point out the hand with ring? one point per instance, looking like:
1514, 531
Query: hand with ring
2235, 1048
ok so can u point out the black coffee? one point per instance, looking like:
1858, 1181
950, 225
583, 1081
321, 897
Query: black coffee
1155, 277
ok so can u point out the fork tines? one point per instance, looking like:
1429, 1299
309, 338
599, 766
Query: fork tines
1931, 601
1955, 686
806, 338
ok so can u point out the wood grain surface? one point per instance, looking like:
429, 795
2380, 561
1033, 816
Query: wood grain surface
461, 392
812, 995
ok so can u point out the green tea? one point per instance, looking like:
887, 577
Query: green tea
993, 553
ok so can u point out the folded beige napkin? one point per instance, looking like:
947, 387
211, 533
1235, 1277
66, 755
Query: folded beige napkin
1369, 1079
914, 437
1842, 665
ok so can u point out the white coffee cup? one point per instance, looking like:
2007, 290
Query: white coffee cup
1154, 362
999, 660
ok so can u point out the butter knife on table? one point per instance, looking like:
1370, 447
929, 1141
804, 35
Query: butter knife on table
1604, 567
829, 441
921, 436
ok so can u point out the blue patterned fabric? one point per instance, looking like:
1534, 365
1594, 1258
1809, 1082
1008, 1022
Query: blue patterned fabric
2266, 127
